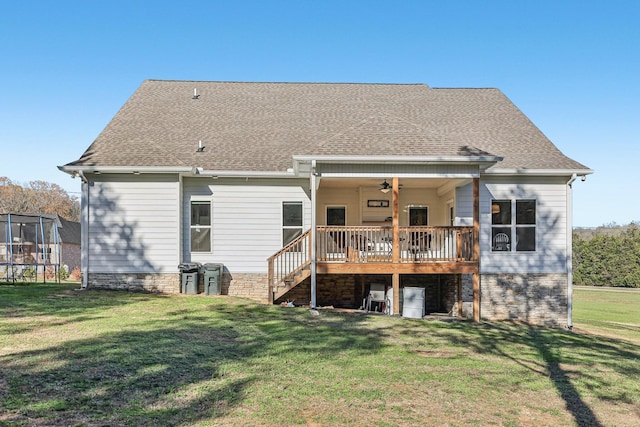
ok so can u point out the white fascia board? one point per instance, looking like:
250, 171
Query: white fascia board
245, 174
124, 169
538, 172
182, 170
382, 175
399, 159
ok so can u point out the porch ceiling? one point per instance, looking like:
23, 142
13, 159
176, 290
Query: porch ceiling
375, 182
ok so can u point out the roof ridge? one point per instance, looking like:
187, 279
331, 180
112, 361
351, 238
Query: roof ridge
286, 83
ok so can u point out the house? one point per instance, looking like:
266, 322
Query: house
315, 193
70, 239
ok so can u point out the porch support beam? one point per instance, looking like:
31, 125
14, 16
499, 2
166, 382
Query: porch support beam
459, 285
313, 242
395, 252
395, 283
476, 249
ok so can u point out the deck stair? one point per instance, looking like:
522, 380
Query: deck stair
290, 266
291, 281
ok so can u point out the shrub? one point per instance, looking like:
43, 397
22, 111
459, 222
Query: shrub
76, 274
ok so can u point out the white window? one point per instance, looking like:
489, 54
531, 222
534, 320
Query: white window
509, 224
200, 226
291, 221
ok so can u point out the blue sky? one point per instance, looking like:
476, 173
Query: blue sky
573, 67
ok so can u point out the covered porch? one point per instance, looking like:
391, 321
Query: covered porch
360, 230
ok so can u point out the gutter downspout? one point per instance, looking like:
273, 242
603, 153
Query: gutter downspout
313, 233
569, 252
84, 230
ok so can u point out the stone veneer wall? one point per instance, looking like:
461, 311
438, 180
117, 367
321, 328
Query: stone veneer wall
253, 286
163, 283
246, 285
440, 291
466, 281
337, 290
347, 291
539, 299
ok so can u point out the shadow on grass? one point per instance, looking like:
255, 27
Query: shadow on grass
562, 356
194, 362
188, 360
64, 301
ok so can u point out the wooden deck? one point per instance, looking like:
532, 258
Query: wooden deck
375, 250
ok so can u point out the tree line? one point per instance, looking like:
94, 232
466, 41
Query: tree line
38, 197
607, 256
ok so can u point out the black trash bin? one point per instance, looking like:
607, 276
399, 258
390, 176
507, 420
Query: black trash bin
212, 274
189, 277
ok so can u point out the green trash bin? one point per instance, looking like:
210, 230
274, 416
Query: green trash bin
189, 277
212, 274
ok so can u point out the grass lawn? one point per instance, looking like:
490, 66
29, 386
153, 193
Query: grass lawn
100, 358
607, 311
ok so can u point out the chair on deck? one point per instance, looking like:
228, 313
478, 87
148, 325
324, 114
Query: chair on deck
338, 238
419, 243
362, 243
501, 242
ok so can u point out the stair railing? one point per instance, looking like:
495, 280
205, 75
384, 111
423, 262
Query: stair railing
289, 260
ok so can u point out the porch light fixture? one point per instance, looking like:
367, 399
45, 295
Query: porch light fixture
385, 187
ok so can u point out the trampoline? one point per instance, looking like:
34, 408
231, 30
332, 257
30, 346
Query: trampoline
29, 248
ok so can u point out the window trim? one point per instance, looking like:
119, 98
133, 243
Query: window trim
201, 201
326, 213
513, 227
291, 227
426, 207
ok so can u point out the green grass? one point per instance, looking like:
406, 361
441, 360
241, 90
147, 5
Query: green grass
70, 357
614, 312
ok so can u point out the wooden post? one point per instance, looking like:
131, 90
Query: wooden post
270, 279
459, 284
476, 249
395, 221
395, 282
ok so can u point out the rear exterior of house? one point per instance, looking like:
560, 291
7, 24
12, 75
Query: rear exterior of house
316, 193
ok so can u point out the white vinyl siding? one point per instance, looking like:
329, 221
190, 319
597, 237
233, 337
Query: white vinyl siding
133, 224
550, 228
246, 219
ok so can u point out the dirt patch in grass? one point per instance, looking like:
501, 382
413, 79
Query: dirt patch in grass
437, 353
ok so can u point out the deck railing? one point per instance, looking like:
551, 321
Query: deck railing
364, 244
289, 260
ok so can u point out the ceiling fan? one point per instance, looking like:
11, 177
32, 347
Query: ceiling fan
385, 187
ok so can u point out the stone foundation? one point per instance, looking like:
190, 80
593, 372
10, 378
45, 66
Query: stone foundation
252, 286
146, 282
246, 285
466, 284
539, 299
347, 291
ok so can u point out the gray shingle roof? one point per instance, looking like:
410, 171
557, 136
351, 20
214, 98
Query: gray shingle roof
70, 232
260, 126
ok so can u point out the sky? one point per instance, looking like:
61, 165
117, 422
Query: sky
573, 67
